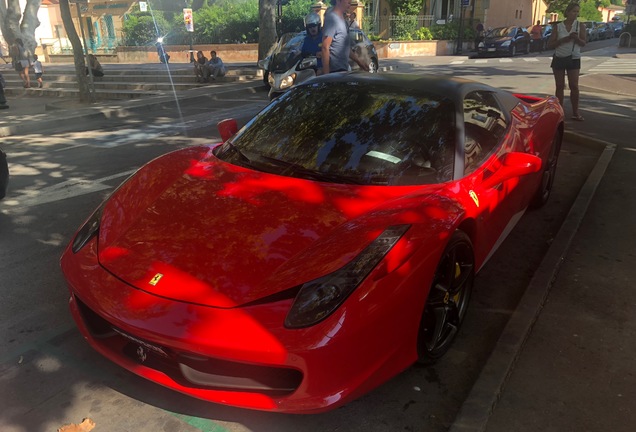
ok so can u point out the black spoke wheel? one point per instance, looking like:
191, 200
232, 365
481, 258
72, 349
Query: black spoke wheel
448, 299
547, 179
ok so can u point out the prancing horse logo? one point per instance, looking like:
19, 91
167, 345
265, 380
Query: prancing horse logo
141, 354
155, 280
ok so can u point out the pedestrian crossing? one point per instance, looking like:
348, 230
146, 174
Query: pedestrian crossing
500, 60
616, 66
610, 66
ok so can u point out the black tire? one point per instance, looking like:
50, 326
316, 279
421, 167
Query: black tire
549, 172
447, 300
266, 79
528, 48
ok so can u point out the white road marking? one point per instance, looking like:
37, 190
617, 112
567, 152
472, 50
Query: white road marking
68, 189
505, 60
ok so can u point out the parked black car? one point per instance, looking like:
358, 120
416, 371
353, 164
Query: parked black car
505, 41
604, 31
4, 174
618, 27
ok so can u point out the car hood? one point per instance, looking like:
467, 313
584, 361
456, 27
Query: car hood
193, 228
497, 41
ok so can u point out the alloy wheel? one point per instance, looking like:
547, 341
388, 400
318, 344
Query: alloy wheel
448, 298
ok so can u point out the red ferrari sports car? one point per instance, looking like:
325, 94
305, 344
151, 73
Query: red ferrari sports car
322, 249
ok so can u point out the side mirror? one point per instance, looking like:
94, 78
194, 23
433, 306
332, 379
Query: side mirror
227, 128
513, 165
308, 63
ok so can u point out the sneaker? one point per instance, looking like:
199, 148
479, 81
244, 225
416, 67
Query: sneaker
39, 85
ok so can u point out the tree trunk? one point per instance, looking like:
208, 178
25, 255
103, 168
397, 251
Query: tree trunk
11, 26
85, 94
267, 27
29, 23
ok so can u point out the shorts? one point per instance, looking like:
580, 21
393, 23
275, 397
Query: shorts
565, 63
38, 75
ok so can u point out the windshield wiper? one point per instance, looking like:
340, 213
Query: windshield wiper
290, 168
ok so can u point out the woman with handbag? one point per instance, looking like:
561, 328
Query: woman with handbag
21, 61
566, 40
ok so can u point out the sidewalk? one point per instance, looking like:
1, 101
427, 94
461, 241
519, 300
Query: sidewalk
565, 361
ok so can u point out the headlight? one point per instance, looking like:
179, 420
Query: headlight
481, 45
506, 44
88, 230
270, 79
288, 81
317, 299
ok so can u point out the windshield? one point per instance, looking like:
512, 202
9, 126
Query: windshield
502, 32
288, 51
350, 133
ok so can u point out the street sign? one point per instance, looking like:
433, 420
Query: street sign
187, 19
143, 6
465, 3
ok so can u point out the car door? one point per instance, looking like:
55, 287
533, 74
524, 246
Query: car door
487, 141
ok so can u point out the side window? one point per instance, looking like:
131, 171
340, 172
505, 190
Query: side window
484, 128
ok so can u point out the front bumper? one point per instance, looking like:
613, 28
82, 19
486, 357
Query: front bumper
244, 356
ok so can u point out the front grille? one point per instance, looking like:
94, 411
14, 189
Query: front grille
191, 370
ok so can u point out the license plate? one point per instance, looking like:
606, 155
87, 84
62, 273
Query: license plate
492, 49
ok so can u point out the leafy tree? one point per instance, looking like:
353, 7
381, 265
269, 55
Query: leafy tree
405, 7
227, 21
589, 11
406, 25
143, 28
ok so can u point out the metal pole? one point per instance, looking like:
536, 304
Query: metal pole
191, 50
91, 85
460, 36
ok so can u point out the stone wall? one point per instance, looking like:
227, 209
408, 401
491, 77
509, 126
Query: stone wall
248, 53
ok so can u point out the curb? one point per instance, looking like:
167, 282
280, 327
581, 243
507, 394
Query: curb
482, 400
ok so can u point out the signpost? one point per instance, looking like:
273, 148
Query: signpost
460, 36
189, 23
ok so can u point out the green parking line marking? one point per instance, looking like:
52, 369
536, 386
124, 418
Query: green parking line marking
204, 425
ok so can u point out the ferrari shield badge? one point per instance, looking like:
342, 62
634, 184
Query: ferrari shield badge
472, 194
155, 280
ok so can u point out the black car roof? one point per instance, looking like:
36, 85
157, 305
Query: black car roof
450, 87
418, 83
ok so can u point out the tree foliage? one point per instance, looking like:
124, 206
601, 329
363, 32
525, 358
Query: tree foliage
144, 28
589, 8
215, 21
405, 7
589, 11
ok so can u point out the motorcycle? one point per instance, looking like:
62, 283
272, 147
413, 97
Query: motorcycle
288, 67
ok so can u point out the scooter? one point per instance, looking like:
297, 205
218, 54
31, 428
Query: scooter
288, 67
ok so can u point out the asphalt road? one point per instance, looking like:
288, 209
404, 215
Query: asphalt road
49, 376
